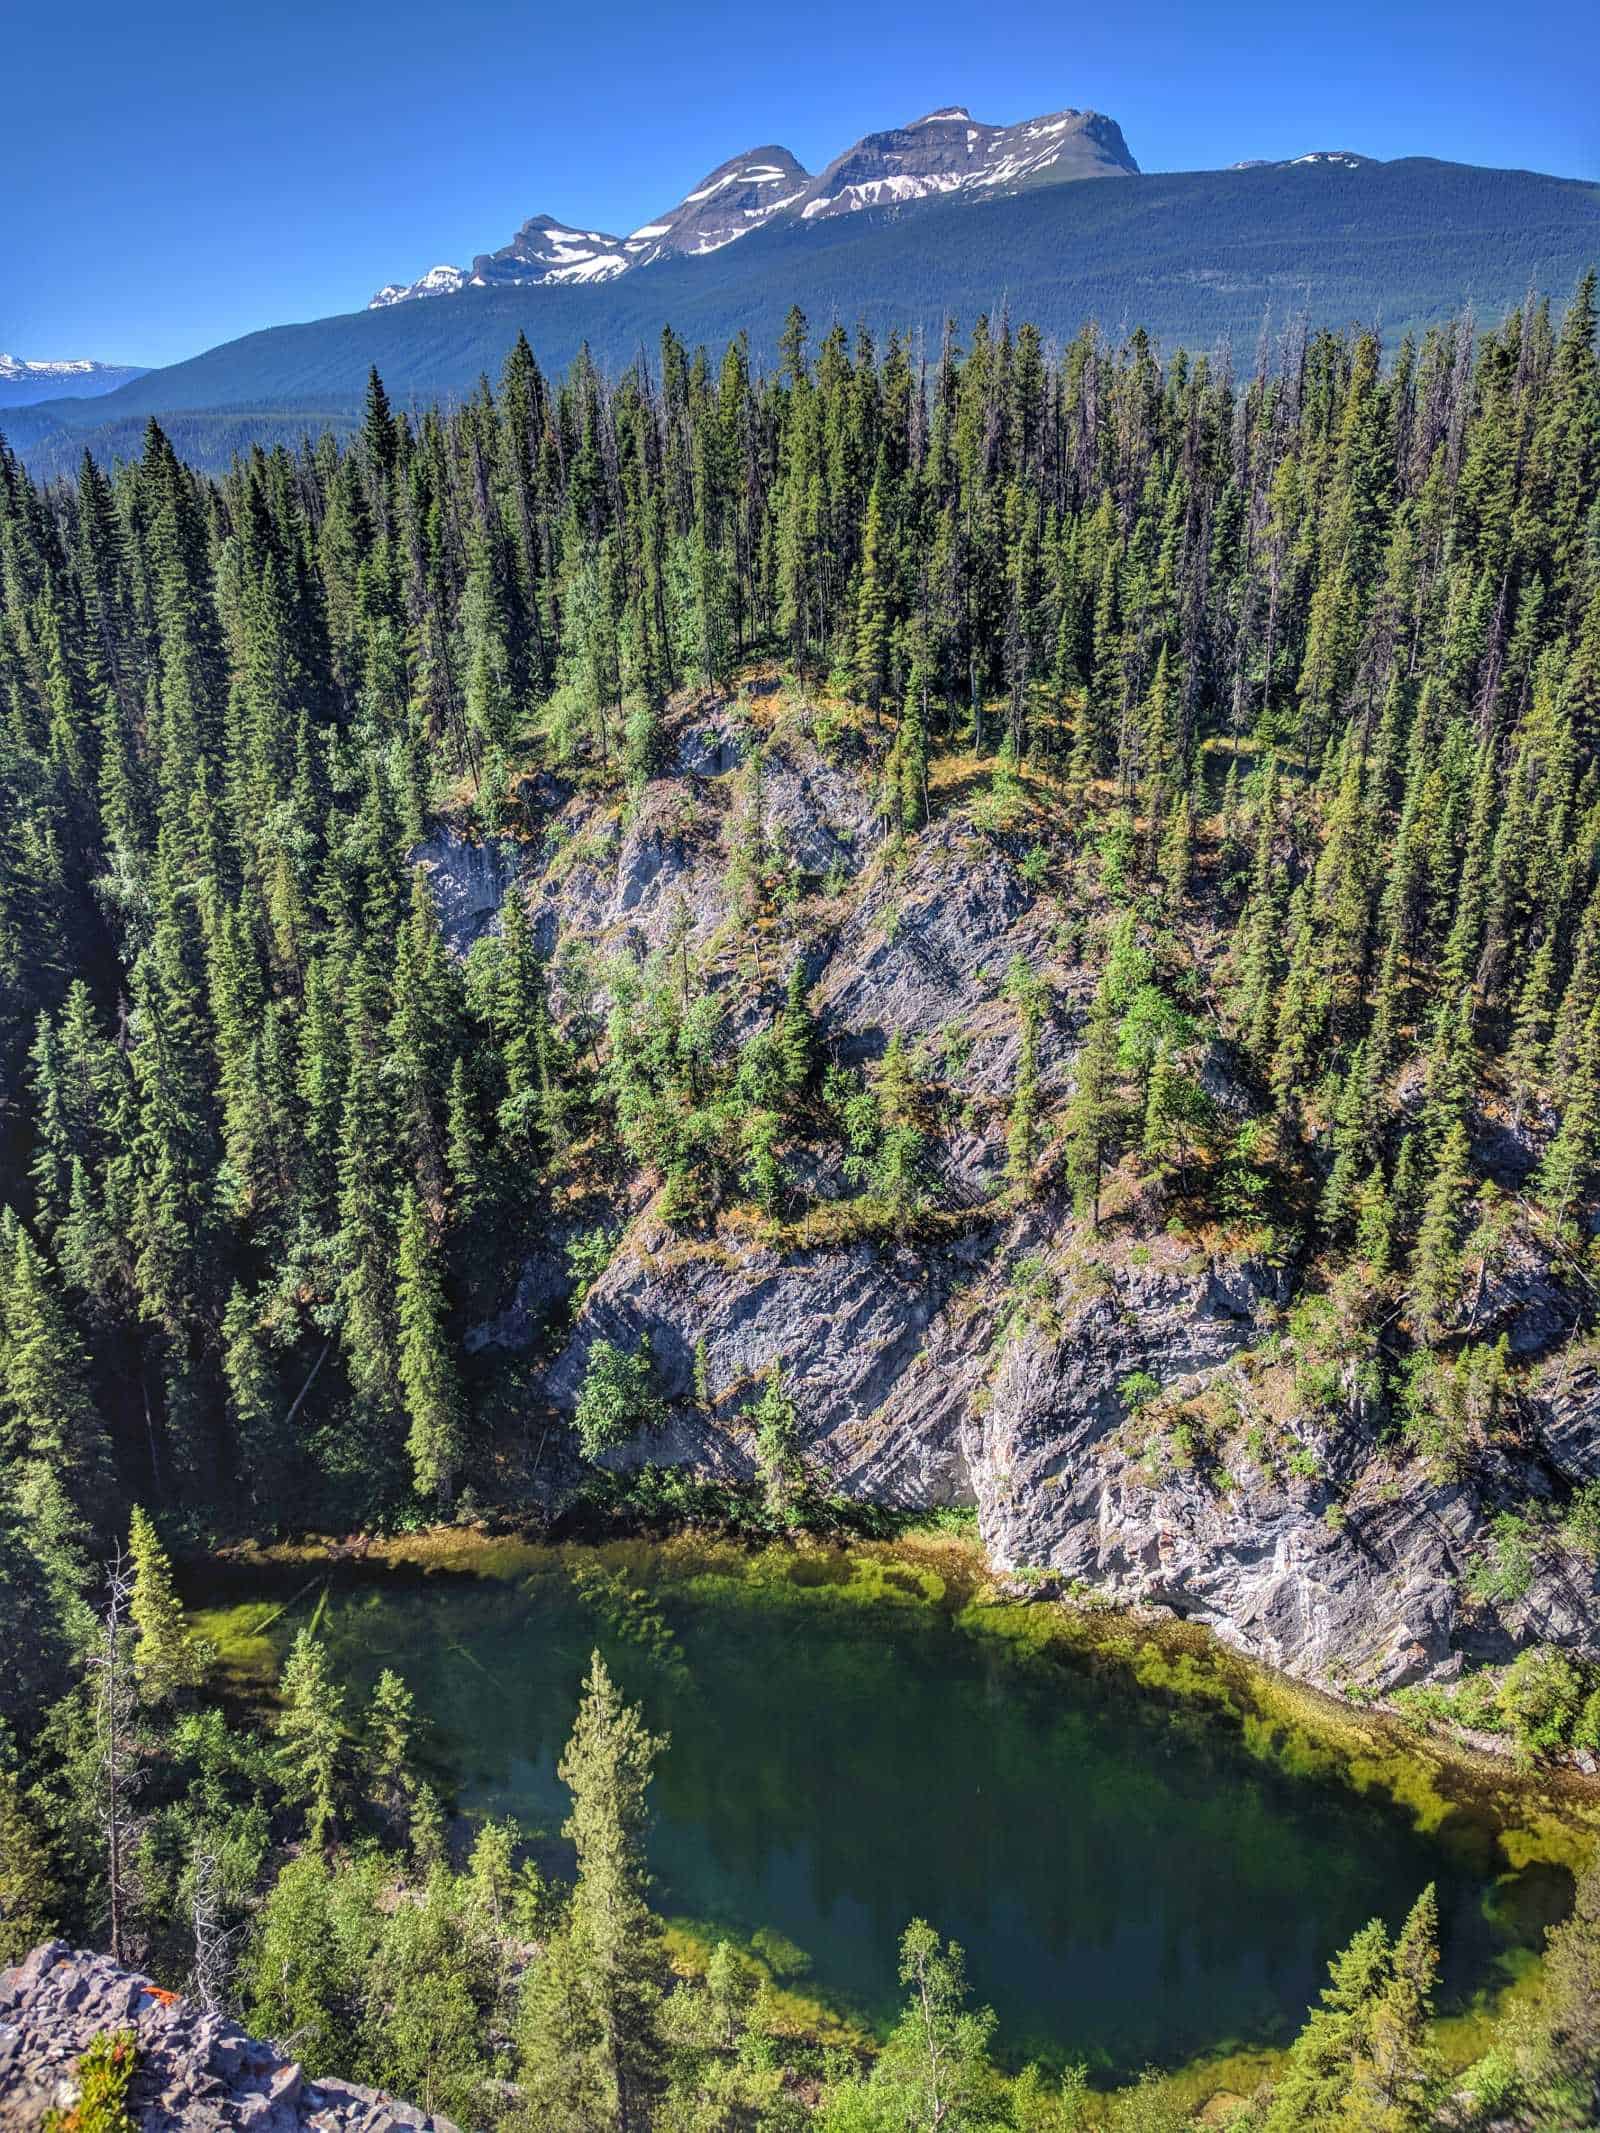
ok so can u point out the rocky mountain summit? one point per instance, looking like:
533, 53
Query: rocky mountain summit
730, 201
1143, 1409
946, 151
24, 381
950, 151
193, 2072
1319, 158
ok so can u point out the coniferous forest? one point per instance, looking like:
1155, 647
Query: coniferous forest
1280, 685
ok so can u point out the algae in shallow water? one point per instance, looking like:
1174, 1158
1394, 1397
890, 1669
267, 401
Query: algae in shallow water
864, 1735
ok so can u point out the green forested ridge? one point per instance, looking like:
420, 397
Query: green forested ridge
1198, 257
1290, 686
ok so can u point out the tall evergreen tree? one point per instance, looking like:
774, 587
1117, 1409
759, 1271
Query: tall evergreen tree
166, 1658
427, 1373
590, 2049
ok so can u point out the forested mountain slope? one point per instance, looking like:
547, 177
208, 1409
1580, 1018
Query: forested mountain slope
1117, 1030
1197, 258
776, 943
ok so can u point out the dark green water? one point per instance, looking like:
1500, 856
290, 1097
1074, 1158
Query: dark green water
1129, 1883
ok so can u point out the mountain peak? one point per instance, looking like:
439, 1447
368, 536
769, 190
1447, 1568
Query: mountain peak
1327, 158
24, 379
944, 151
730, 201
546, 249
949, 151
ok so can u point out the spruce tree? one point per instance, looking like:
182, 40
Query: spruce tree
1398, 2079
1314, 2092
428, 1380
1436, 1260
311, 1729
51, 1424
387, 1730
1095, 1110
590, 2050
166, 1658
1571, 1159
28, 1891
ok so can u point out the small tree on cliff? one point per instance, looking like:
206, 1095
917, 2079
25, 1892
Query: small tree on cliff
777, 1442
617, 1399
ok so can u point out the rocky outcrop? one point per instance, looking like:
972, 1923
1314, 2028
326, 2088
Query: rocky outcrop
625, 883
1128, 1409
195, 2073
1109, 1420
468, 878
925, 952
1081, 1476
863, 1337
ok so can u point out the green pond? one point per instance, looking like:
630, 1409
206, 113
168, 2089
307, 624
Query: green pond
854, 1742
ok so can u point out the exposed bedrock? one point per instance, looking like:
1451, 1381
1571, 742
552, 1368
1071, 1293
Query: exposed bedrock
1121, 1406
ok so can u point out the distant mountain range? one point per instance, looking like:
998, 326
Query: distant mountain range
909, 229
945, 151
23, 382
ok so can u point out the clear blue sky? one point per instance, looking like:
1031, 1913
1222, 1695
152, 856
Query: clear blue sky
176, 173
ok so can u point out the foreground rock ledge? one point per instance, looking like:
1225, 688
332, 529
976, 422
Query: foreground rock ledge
196, 2072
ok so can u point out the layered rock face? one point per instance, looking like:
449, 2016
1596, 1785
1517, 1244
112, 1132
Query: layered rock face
1131, 1409
196, 2072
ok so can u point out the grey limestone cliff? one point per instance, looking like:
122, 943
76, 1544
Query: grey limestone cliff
1130, 1409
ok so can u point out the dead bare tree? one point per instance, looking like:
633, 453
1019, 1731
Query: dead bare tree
213, 1941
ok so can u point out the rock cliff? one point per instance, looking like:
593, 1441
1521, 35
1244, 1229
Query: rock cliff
1148, 1409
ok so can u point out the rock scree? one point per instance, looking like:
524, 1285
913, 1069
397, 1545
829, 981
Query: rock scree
196, 2072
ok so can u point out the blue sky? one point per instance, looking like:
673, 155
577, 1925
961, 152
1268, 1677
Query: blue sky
177, 173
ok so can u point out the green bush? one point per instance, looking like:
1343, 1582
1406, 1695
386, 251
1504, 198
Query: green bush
1503, 1573
1474, 1702
1542, 1700
1580, 1528
588, 1256
1446, 1406
104, 2072
1137, 1390
618, 1398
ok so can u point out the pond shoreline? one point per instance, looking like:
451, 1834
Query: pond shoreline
1158, 1651
1521, 1834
